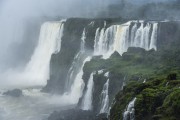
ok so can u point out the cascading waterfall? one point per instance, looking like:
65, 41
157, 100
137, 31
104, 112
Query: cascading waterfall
87, 100
78, 85
103, 40
49, 43
145, 41
133, 33
120, 37
154, 37
138, 36
96, 40
124, 83
75, 83
83, 41
106, 74
72, 72
105, 98
130, 111
74, 69
107, 40
36, 71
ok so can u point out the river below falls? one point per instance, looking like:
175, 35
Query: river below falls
33, 105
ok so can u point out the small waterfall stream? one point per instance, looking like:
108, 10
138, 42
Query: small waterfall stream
105, 98
87, 100
130, 111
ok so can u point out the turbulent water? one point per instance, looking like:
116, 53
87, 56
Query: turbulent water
130, 111
33, 105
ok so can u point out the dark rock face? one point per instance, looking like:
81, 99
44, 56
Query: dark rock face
172, 76
14, 93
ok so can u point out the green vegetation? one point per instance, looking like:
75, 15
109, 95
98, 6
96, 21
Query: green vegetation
156, 99
159, 97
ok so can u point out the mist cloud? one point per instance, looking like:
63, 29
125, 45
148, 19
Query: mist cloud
14, 15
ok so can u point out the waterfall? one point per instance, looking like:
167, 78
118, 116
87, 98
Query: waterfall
74, 69
100, 71
36, 71
130, 111
144, 81
106, 74
105, 98
145, 41
78, 84
83, 40
87, 100
154, 37
133, 33
72, 72
100, 42
75, 83
103, 41
138, 36
49, 43
124, 83
120, 37
97, 35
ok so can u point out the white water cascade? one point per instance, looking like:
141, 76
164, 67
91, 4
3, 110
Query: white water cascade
75, 83
105, 98
49, 43
83, 37
33, 104
102, 40
120, 37
154, 37
74, 69
36, 71
78, 85
87, 100
130, 111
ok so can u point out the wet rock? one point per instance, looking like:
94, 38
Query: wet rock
14, 93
